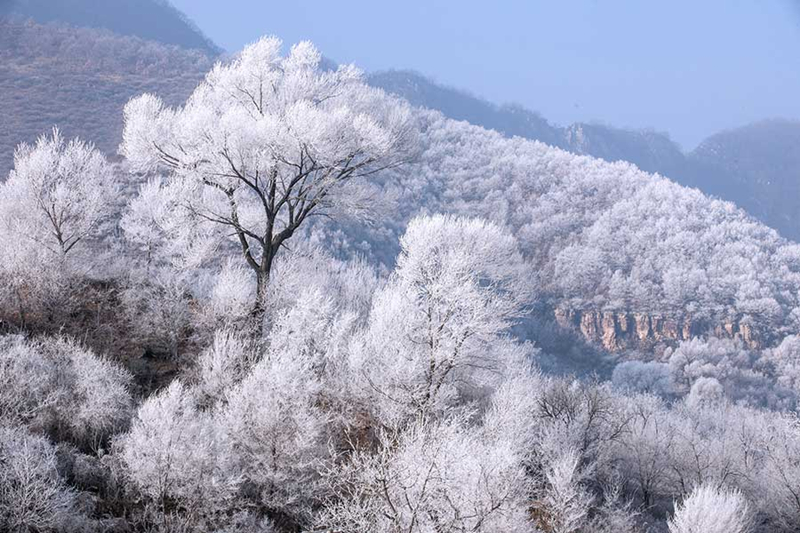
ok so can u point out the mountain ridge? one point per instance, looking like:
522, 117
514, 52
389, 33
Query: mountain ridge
738, 165
153, 20
79, 79
741, 165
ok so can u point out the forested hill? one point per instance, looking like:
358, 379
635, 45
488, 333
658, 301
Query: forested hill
80, 78
74, 63
755, 166
153, 20
604, 237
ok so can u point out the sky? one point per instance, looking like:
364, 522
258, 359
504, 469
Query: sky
689, 68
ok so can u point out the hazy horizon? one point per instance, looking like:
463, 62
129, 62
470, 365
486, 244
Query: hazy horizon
685, 69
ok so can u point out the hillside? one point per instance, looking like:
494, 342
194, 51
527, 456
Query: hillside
755, 166
630, 259
605, 238
152, 20
80, 79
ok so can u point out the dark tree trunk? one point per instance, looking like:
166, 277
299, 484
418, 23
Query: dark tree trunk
260, 305
21, 310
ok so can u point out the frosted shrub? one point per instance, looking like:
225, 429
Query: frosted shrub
33, 497
57, 385
711, 510
174, 452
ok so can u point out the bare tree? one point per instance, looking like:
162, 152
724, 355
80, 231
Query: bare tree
265, 142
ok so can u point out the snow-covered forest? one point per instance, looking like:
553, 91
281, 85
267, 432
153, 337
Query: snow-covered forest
347, 309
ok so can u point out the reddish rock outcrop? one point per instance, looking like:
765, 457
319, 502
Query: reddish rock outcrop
617, 331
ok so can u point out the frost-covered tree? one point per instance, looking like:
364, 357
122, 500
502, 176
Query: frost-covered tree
157, 305
317, 305
785, 360
265, 142
162, 232
26, 383
223, 365
711, 510
54, 200
586, 417
229, 301
564, 503
60, 387
739, 373
176, 453
57, 193
642, 450
438, 331
33, 496
707, 391
708, 445
643, 377
276, 431
442, 476
778, 483
615, 515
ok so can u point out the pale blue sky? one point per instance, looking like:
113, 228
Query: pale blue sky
687, 67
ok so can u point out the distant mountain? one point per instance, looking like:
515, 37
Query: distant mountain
80, 79
458, 105
153, 20
649, 150
756, 166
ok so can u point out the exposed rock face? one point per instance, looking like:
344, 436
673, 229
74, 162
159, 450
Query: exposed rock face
617, 331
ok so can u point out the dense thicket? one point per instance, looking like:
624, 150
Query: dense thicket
401, 405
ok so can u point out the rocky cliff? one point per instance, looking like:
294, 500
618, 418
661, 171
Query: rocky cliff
617, 331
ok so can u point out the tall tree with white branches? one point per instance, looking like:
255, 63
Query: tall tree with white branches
267, 141
54, 200
57, 193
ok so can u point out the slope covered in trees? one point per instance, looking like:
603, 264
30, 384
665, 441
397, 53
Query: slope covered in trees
600, 235
367, 373
753, 166
152, 20
79, 79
